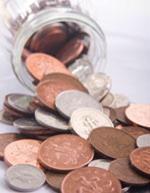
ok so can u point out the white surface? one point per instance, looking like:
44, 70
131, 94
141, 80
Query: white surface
126, 24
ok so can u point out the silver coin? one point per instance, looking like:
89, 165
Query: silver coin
4, 119
68, 101
109, 100
100, 163
143, 141
48, 119
84, 120
98, 85
24, 177
20, 102
107, 111
120, 101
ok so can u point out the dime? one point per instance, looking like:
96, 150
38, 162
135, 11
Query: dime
51, 120
48, 89
109, 100
39, 65
112, 142
143, 141
54, 179
90, 179
143, 189
139, 114
84, 120
65, 152
5, 119
22, 152
140, 159
68, 101
122, 169
121, 101
98, 85
100, 163
135, 131
24, 177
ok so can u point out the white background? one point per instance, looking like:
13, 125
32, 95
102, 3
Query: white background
126, 24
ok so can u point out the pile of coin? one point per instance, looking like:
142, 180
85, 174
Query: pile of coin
74, 133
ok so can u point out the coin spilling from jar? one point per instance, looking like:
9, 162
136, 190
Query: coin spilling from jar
74, 132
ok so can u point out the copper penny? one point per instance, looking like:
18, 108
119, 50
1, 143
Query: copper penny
90, 180
22, 152
135, 131
5, 139
40, 64
73, 49
140, 159
139, 114
122, 169
48, 90
112, 142
65, 152
54, 179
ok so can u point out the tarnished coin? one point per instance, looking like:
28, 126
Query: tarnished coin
92, 180
122, 169
98, 85
68, 101
109, 100
22, 152
112, 142
54, 179
84, 120
5, 119
139, 114
65, 152
142, 189
24, 177
20, 102
135, 131
140, 159
120, 101
55, 83
100, 163
39, 65
7, 138
143, 141
51, 120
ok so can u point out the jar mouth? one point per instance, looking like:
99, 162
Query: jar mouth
47, 17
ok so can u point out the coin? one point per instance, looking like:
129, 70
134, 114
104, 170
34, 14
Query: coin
112, 142
143, 189
49, 39
121, 101
90, 179
65, 152
25, 54
11, 112
24, 177
55, 84
121, 117
140, 159
135, 131
39, 65
22, 152
54, 179
122, 169
49, 119
139, 114
143, 140
68, 101
5, 119
84, 120
109, 100
100, 163
111, 113
20, 102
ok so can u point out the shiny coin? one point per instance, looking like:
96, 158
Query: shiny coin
122, 169
20, 102
24, 177
54, 84
143, 141
84, 120
23, 151
109, 100
49, 119
5, 119
112, 142
139, 114
100, 163
120, 101
98, 85
65, 152
68, 101
140, 159
90, 178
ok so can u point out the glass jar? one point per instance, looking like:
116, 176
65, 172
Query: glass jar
25, 17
